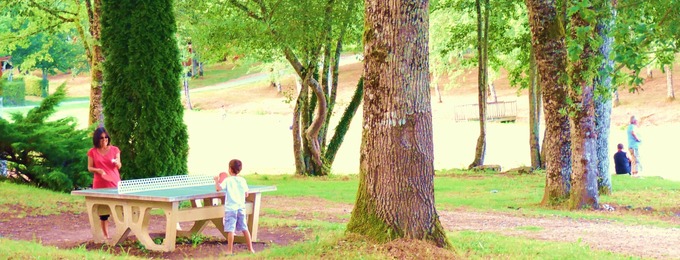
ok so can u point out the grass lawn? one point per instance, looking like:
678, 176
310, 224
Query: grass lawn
453, 189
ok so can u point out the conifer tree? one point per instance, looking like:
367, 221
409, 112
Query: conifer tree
141, 93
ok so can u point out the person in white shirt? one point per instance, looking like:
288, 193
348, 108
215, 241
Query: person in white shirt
234, 204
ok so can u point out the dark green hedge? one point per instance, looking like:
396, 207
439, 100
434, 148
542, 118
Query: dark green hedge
143, 111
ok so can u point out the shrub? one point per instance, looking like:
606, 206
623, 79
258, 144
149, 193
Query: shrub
33, 85
51, 154
144, 112
13, 93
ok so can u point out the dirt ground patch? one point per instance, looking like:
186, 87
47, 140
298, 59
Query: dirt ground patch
72, 230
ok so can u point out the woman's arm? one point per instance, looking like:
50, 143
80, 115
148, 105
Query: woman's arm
92, 169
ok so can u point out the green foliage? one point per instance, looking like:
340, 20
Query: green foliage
33, 85
49, 153
645, 33
41, 34
13, 93
222, 33
141, 97
453, 37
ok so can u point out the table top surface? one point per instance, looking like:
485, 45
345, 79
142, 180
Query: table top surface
167, 195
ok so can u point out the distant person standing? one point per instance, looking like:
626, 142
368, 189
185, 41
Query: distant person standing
633, 146
621, 161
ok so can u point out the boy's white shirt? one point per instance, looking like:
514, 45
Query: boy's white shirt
235, 188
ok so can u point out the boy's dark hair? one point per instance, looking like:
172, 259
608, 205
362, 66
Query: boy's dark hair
97, 136
620, 146
235, 166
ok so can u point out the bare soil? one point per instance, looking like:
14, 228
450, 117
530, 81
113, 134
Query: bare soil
69, 230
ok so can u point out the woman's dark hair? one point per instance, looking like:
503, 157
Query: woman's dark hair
235, 166
98, 136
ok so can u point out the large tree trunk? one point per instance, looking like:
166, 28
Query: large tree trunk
396, 178
669, 83
96, 114
482, 47
534, 114
548, 41
584, 190
603, 106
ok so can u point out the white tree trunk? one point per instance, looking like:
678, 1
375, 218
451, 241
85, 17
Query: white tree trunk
492, 93
669, 82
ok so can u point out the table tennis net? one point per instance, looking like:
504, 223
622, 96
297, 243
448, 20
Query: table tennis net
162, 183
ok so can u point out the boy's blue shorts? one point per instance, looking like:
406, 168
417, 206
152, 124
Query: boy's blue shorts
235, 220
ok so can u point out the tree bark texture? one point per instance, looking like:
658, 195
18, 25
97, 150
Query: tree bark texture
96, 114
669, 83
300, 168
310, 125
534, 114
584, 190
548, 42
482, 78
396, 189
603, 105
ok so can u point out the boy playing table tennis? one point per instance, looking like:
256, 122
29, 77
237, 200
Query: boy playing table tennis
234, 204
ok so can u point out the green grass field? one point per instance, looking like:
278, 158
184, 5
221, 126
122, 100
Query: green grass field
453, 189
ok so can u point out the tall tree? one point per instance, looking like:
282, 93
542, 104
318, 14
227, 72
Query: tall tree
46, 15
306, 34
49, 53
603, 98
144, 113
482, 79
535, 106
95, 56
548, 40
500, 34
670, 93
582, 66
396, 188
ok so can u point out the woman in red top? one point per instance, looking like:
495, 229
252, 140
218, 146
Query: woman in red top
104, 161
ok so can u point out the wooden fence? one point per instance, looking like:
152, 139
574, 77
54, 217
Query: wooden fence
502, 111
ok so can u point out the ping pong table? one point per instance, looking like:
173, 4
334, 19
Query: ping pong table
131, 203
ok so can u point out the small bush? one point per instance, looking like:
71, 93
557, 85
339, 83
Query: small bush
33, 85
13, 93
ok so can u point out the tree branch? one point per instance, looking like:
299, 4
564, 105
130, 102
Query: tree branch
245, 9
54, 13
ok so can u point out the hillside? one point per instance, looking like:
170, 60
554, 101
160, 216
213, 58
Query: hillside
255, 119
650, 103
